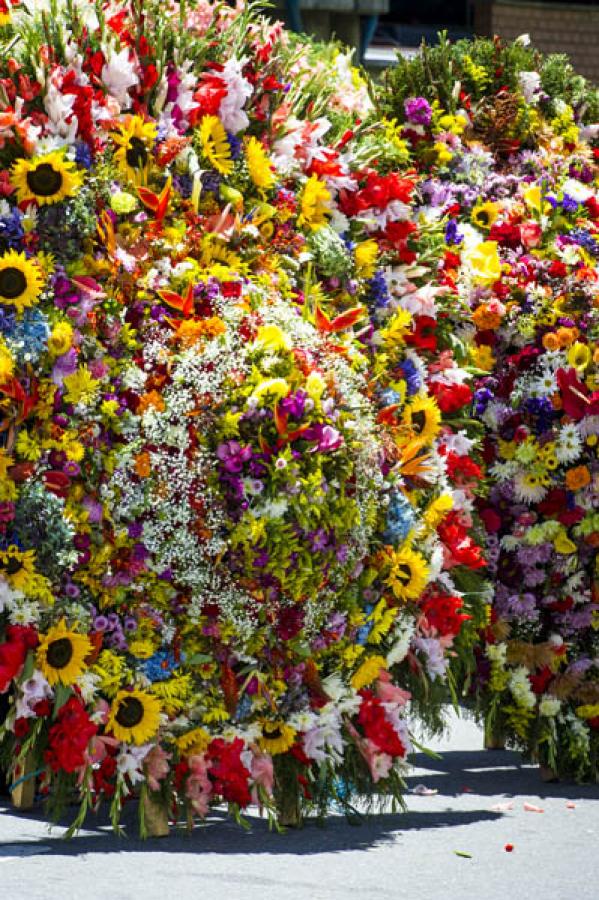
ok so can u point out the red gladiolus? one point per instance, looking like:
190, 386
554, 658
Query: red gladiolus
20, 639
451, 397
423, 335
229, 776
459, 545
68, 739
443, 613
376, 726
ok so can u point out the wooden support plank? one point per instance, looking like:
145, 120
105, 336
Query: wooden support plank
24, 793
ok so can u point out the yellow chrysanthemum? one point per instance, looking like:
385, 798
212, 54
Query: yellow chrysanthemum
423, 417
45, 179
61, 338
368, 672
408, 573
134, 140
315, 204
366, 254
215, 145
81, 387
276, 737
273, 388
579, 356
20, 280
437, 511
259, 165
61, 654
134, 717
17, 566
194, 743
111, 669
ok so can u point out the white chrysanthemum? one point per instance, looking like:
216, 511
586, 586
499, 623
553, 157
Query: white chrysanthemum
568, 444
527, 489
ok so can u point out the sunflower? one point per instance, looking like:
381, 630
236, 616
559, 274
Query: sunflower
423, 418
193, 743
368, 672
17, 566
61, 654
408, 573
215, 146
20, 280
259, 165
45, 179
485, 214
4, 13
315, 204
134, 717
134, 139
277, 737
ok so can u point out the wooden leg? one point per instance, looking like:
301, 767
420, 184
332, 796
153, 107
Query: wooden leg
547, 774
156, 816
494, 739
24, 793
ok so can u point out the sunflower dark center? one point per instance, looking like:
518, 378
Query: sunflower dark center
130, 712
482, 216
419, 420
137, 154
273, 732
59, 653
403, 573
12, 283
44, 180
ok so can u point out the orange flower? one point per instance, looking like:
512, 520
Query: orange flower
485, 319
151, 399
567, 336
551, 341
142, 464
577, 478
191, 331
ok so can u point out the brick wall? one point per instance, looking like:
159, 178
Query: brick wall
553, 28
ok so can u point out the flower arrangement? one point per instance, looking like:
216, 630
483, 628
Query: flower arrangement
238, 466
507, 141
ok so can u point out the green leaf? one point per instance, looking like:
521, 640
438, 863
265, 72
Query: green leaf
61, 694
198, 659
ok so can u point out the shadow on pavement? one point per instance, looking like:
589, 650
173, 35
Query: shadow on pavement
222, 836
489, 773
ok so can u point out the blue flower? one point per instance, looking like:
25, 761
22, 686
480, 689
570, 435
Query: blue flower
400, 519
160, 666
411, 376
452, 235
27, 336
11, 230
378, 296
83, 155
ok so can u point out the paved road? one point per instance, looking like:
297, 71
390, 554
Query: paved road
391, 857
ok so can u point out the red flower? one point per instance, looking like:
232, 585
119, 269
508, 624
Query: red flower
558, 269
451, 397
540, 681
461, 468
20, 639
377, 727
505, 234
461, 548
577, 401
229, 776
423, 335
68, 739
208, 96
443, 613
21, 728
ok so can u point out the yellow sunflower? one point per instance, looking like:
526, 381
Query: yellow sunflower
423, 417
259, 165
315, 204
408, 573
277, 737
215, 145
20, 280
193, 743
45, 179
134, 139
17, 566
134, 717
485, 214
61, 654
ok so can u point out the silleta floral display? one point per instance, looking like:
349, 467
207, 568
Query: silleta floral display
238, 466
509, 143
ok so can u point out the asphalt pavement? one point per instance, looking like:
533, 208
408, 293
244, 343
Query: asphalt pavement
450, 845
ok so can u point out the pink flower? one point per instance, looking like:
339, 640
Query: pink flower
198, 787
157, 766
387, 692
263, 775
530, 234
